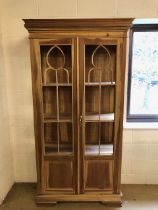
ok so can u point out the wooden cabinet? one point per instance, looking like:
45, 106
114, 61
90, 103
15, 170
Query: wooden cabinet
78, 71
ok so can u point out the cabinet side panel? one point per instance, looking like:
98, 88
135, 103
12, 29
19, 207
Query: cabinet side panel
120, 80
36, 80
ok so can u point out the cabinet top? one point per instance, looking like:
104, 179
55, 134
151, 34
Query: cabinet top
77, 24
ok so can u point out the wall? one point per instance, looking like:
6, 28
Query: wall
140, 157
140, 146
6, 158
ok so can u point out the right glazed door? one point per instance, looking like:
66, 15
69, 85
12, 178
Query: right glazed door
99, 93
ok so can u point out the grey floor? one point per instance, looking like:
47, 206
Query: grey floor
136, 197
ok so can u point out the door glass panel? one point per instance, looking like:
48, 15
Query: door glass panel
99, 88
100, 63
56, 71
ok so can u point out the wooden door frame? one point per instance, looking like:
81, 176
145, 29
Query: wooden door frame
82, 42
38, 112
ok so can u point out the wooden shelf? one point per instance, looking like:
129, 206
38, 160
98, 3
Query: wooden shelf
62, 146
55, 84
94, 149
62, 118
102, 84
51, 149
59, 153
103, 117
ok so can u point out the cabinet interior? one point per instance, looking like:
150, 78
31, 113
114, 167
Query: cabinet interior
99, 85
100, 59
56, 57
56, 70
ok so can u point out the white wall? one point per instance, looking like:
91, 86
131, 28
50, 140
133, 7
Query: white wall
140, 156
140, 146
6, 158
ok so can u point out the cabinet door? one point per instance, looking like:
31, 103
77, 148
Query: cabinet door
99, 67
54, 79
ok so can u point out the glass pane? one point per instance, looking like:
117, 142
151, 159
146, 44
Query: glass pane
56, 64
100, 63
58, 137
56, 69
144, 86
100, 81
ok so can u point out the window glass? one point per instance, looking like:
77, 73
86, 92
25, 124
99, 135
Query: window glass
144, 73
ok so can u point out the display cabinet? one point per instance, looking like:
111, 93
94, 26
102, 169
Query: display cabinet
78, 72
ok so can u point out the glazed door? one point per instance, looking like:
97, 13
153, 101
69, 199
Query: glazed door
99, 64
57, 101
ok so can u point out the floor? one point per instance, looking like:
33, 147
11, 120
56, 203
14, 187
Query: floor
136, 197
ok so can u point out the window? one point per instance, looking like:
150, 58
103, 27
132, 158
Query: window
142, 100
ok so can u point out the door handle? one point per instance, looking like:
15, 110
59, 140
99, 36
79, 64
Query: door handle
80, 120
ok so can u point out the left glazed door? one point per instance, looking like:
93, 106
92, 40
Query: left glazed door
55, 98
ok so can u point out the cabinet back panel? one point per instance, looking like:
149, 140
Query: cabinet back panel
92, 133
50, 133
102, 59
98, 175
57, 58
65, 100
107, 99
51, 138
65, 132
92, 99
50, 100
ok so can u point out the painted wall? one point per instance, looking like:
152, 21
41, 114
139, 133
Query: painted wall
140, 146
6, 158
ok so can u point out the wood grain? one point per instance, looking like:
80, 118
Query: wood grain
78, 116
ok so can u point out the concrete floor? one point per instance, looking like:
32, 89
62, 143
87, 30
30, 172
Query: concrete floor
136, 197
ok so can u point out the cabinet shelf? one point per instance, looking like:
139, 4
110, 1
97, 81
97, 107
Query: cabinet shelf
58, 154
103, 117
62, 146
102, 84
94, 150
55, 84
51, 149
62, 118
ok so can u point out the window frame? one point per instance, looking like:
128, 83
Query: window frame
137, 117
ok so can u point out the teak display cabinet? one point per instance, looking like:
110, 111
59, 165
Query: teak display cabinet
78, 71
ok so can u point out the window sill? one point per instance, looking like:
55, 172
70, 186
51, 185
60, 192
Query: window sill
132, 125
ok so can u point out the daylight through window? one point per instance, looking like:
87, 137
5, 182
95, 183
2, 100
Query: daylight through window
143, 74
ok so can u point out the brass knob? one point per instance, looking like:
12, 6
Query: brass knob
80, 120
